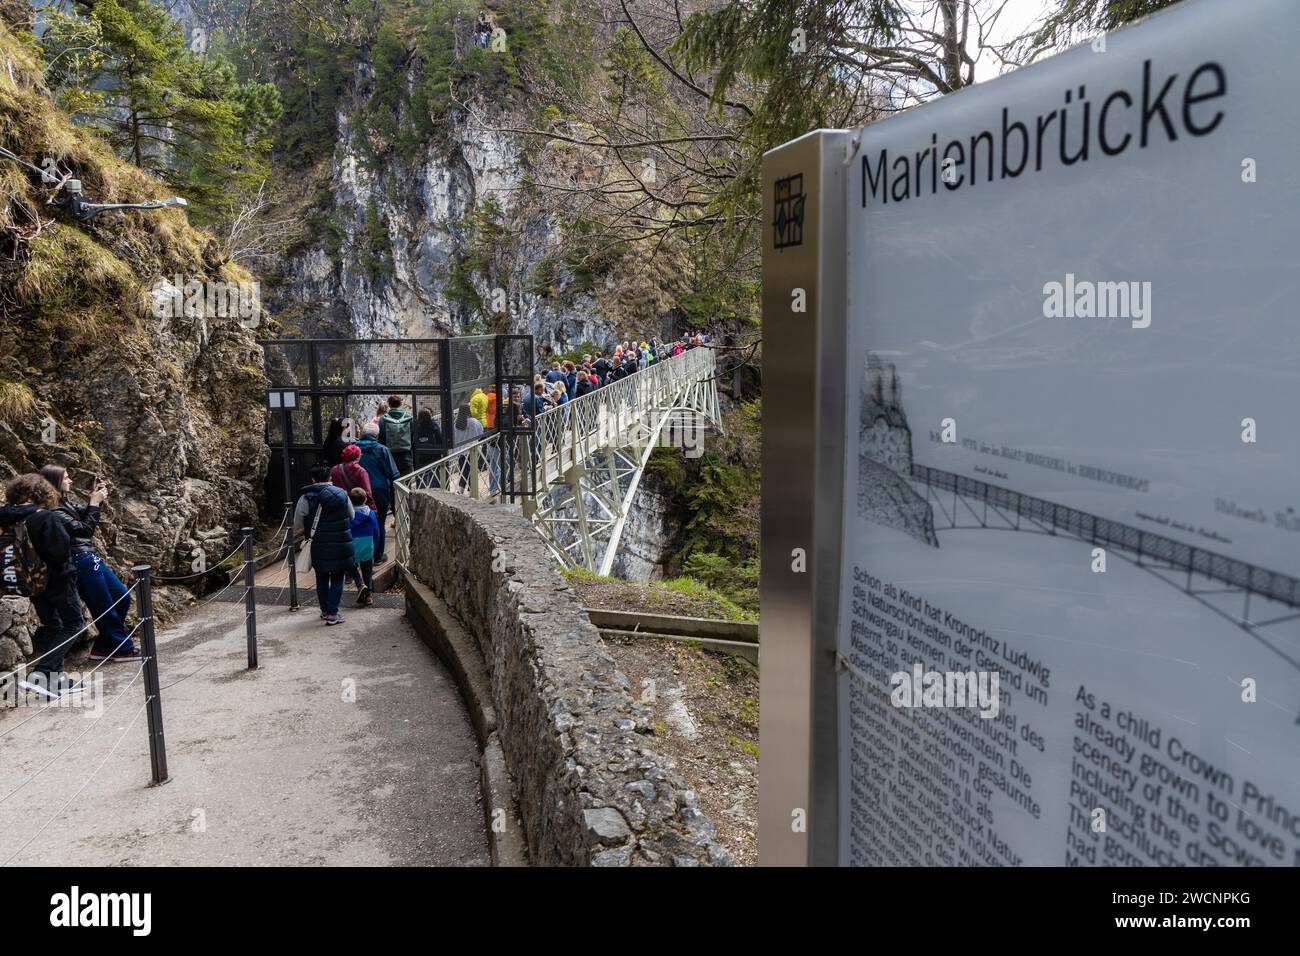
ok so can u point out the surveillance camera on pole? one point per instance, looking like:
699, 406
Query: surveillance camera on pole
84, 210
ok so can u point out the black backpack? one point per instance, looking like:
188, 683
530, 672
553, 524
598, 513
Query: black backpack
22, 570
428, 436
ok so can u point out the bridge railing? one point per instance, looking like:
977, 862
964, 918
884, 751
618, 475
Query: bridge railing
1116, 534
560, 438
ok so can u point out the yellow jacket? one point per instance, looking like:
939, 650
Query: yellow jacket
478, 406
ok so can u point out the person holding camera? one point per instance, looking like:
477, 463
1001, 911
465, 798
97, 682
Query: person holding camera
105, 595
49, 579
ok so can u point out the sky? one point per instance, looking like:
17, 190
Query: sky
1017, 18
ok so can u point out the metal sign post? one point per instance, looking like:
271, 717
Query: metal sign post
803, 321
286, 400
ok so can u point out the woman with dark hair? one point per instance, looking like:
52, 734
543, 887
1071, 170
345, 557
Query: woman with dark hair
101, 589
32, 501
466, 428
332, 453
429, 446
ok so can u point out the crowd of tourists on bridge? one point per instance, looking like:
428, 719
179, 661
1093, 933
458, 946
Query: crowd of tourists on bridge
567, 380
344, 510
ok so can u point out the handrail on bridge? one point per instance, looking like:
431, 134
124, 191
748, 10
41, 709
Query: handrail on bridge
560, 440
1115, 534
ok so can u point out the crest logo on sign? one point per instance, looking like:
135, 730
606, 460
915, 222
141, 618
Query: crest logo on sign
789, 213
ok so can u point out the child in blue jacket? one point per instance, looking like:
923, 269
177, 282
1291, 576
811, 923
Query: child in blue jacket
365, 532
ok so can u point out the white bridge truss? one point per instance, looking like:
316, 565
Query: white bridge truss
586, 459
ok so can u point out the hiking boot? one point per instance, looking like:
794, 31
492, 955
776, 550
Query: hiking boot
363, 597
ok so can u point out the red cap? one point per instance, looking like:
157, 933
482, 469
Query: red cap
351, 452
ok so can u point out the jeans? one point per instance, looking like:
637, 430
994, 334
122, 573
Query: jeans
101, 589
363, 573
329, 590
494, 466
59, 609
383, 501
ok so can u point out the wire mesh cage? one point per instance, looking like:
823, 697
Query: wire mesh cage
288, 364
473, 366
353, 379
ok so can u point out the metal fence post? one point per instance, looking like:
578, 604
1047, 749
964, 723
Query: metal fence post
293, 563
152, 693
250, 598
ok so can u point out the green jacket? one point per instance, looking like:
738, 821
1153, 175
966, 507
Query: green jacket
395, 431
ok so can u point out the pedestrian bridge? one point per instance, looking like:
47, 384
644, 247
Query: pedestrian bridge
575, 469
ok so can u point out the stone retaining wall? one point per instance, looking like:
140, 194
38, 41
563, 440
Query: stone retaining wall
18, 622
591, 789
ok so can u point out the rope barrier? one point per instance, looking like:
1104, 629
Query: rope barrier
58, 813
206, 571
147, 669
233, 582
288, 556
239, 548
81, 684
86, 627
91, 727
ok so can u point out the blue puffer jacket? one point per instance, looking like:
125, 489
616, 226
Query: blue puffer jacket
378, 462
331, 546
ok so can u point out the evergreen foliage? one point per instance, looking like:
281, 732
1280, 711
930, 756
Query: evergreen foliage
179, 114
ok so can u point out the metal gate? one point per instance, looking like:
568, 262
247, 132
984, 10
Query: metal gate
352, 379
516, 447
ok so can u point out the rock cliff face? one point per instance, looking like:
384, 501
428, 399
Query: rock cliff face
401, 223
648, 534
169, 410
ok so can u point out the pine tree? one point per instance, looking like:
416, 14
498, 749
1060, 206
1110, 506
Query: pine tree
169, 108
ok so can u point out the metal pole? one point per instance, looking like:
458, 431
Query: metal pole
250, 598
152, 694
284, 437
293, 563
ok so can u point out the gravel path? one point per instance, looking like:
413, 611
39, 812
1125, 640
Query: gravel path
349, 745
